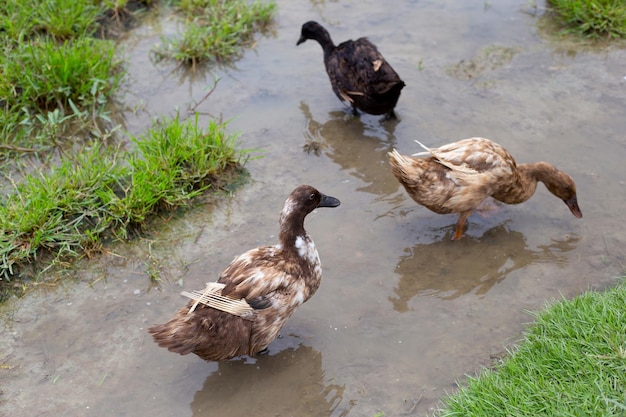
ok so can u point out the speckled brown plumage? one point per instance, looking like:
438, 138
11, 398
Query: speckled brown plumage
358, 73
274, 280
457, 177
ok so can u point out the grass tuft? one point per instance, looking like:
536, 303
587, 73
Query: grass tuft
67, 210
61, 211
177, 161
55, 78
215, 30
572, 362
58, 19
45, 76
593, 18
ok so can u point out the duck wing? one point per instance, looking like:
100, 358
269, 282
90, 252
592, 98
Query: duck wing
261, 276
473, 157
434, 185
228, 329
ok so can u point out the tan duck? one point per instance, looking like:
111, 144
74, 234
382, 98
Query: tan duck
242, 313
358, 73
457, 177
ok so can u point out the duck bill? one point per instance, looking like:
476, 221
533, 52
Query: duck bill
328, 201
572, 203
301, 40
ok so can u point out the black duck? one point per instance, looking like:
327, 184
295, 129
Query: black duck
358, 73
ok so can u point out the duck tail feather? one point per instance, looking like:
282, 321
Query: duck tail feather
428, 150
168, 336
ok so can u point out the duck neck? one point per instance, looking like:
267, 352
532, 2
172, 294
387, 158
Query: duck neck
526, 184
291, 227
522, 188
327, 44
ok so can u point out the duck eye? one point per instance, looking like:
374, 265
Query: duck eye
312, 197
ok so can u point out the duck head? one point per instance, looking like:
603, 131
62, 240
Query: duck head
304, 199
313, 30
562, 186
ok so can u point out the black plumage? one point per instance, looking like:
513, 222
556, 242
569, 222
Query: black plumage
358, 73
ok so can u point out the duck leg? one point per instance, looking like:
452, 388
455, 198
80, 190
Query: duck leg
460, 225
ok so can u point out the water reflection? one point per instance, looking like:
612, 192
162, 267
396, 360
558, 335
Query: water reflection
358, 144
289, 383
448, 270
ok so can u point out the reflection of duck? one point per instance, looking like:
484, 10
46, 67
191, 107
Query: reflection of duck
296, 387
450, 272
458, 177
271, 281
358, 146
358, 73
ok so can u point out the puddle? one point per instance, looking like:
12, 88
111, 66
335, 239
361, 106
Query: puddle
403, 312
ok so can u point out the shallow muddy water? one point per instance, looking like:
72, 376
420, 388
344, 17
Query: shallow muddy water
403, 313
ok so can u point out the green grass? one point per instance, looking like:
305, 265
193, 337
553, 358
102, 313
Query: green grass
215, 30
177, 161
67, 211
593, 18
44, 76
59, 19
572, 362
55, 78
60, 211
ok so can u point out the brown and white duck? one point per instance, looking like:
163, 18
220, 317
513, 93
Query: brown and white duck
242, 313
358, 73
459, 176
